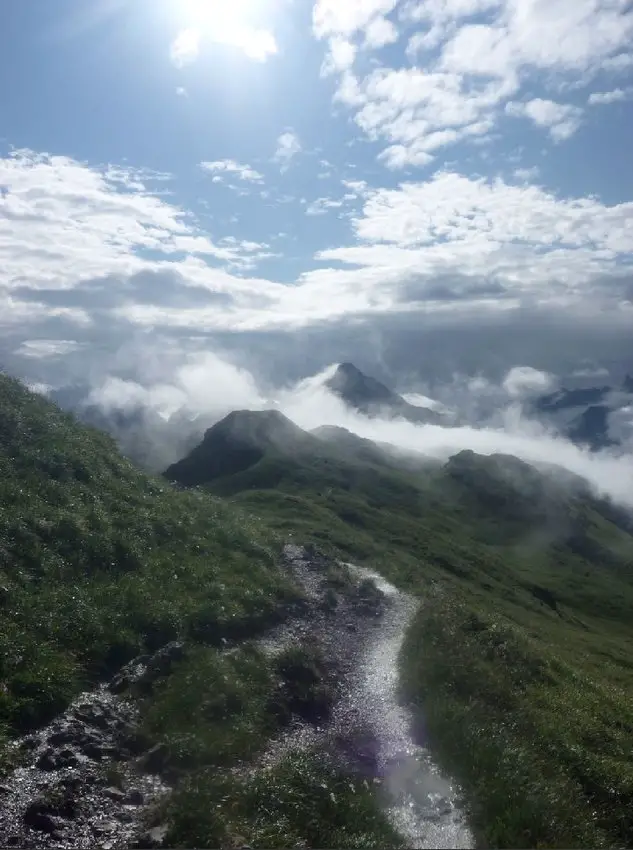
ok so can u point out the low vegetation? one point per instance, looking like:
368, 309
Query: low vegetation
519, 659
99, 562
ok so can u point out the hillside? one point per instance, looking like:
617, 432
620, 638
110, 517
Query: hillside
100, 562
520, 657
101, 565
517, 664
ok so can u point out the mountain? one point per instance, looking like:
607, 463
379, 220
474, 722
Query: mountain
596, 417
518, 660
372, 398
240, 441
370, 451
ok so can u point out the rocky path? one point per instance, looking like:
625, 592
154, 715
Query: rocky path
84, 779
88, 779
370, 731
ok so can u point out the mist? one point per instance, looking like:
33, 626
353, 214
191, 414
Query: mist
207, 387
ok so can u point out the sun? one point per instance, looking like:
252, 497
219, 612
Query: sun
220, 16
243, 24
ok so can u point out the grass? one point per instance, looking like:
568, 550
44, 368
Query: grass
519, 662
218, 710
301, 802
99, 562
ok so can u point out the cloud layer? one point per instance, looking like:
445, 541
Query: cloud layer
470, 63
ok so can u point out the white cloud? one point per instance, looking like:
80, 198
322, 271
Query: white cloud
95, 250
340, 56
605, 97
185, 48
561, 119
333, 17
229, 166
479, 67
182, 92
309, 405
418, 112
256, 44
527, 174
524, 380
288, 146
322, 205
455, 240
46, 348
380, 32
619, 63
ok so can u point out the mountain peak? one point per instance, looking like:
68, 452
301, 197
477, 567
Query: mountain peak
369, 396
237, 442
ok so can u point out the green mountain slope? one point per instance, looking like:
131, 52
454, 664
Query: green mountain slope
99, 562
520, 657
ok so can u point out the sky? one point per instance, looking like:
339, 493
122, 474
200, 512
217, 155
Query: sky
425, 187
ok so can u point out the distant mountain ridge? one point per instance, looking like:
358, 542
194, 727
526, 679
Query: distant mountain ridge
595, 417
373, 398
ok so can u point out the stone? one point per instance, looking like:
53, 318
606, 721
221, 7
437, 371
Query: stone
115, 794
37, 816
52, 759
135, 798
153, 838
104, 827
31, 742
94, 750
119, 684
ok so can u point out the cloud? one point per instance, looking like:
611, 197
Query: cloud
380, 32
333, 18
340, 56
322, 205
229, 166
618, 64
256, 44
185, 48
524, 380
477, 60
99, 255
185, 396
288, 146
606, 97
561, 119
40, 348
527, 174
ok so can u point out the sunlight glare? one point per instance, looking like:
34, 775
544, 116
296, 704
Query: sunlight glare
232, 22
220, 16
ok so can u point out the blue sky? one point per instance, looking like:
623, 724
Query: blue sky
180, 171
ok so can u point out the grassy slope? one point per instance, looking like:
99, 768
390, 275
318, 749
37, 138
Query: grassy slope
99, 562
521, 654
